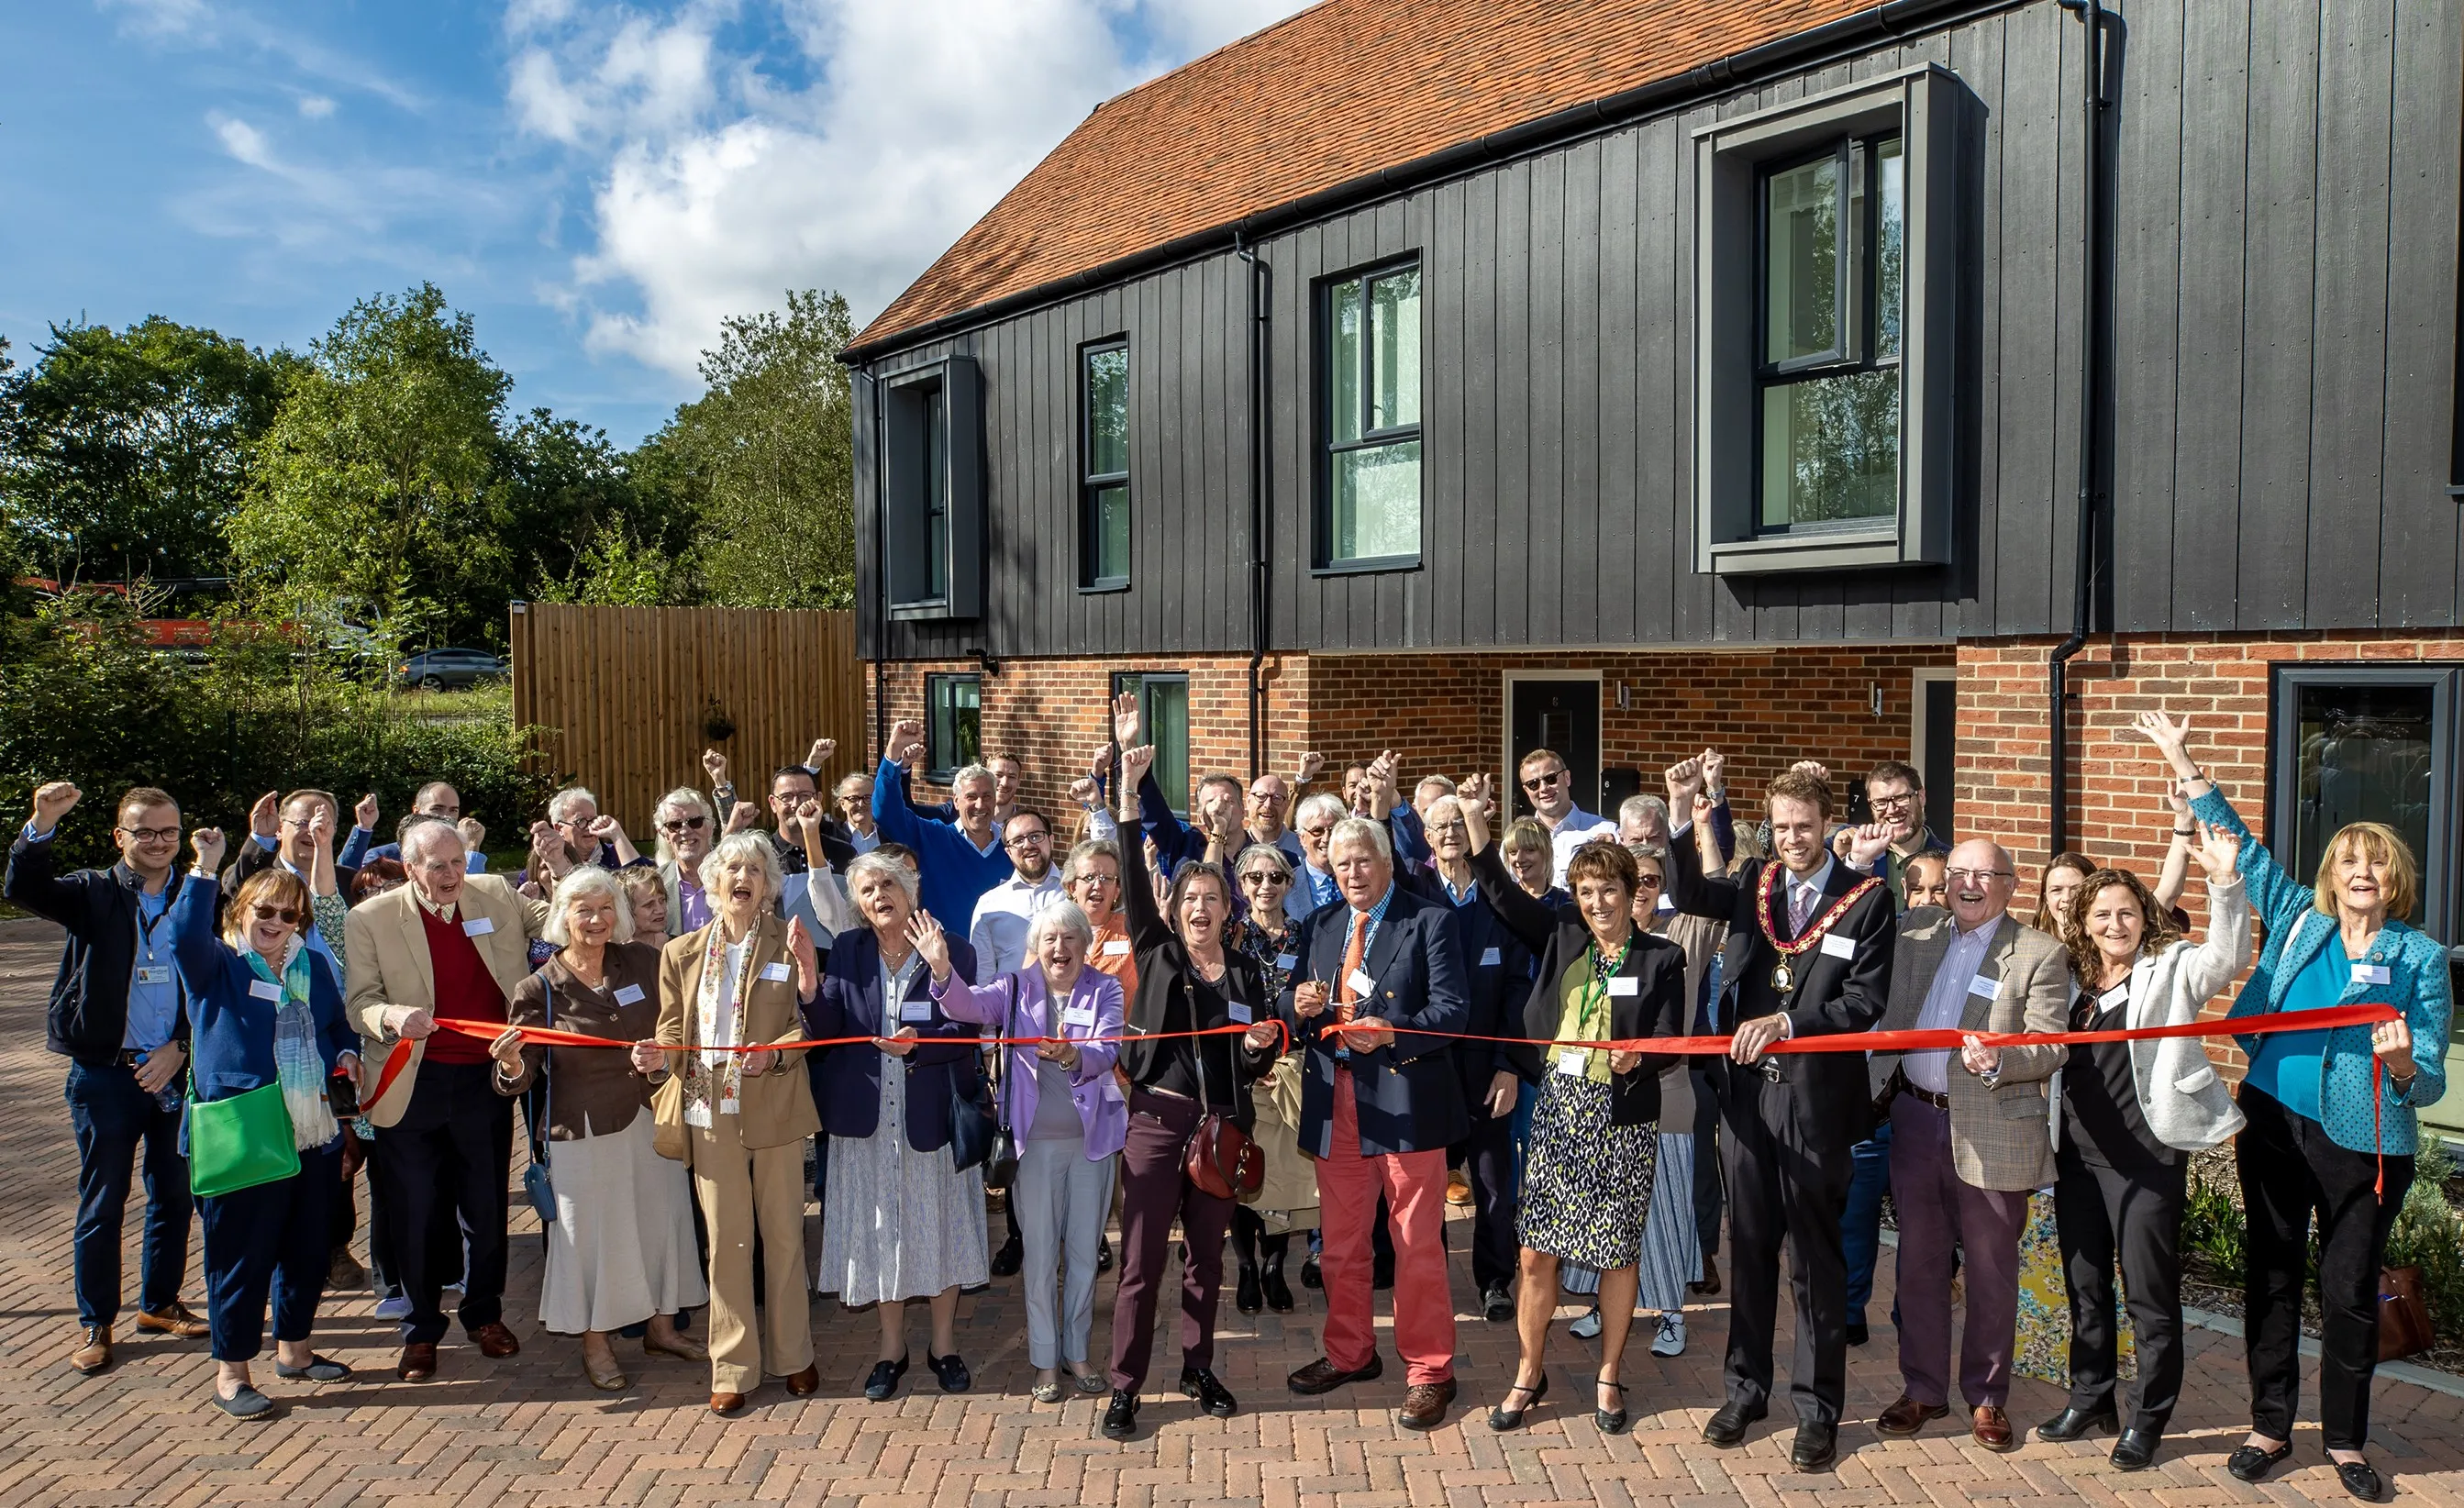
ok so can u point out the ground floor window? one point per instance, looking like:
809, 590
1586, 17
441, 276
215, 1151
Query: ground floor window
1163, 708
953, 732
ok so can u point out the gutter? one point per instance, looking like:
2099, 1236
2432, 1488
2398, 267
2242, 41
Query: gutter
1889, 22
2092, 298
1261, 573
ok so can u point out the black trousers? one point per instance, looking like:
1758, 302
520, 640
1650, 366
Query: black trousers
2101, 1213
1496, 1201
1788, 1180
1707, 1174
2289, 1170
446, 1162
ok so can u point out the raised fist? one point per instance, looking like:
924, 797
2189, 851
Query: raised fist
53, 800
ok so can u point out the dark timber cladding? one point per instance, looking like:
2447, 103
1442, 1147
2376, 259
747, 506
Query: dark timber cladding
2284, 228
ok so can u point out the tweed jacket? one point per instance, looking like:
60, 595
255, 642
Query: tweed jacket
2418, 984
1997, 1132
2187, 1107
390, 966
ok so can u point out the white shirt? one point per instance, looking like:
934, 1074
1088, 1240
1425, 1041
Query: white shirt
1578, 828
1946, 1002
999, 931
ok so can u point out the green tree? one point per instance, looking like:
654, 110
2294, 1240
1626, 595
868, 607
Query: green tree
583, 526
125, 452
375, 481
765, 460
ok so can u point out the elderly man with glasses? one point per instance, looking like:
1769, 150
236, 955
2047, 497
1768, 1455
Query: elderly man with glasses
1549, 787
1968, 1133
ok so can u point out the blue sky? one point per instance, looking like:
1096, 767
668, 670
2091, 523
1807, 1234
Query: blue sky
596, 183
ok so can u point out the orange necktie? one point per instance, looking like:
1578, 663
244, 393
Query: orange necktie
1345, 1001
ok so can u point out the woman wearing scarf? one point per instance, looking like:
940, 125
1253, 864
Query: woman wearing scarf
264, 1008
742, 1117
1288, 1195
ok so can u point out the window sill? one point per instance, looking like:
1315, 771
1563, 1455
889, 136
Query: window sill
1842, 551
1104, 587
1368, 566
937, 610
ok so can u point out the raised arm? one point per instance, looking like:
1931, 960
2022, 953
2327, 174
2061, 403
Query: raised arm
2225, 953
1533, 922
2175, 878
35, 880
891, 811
1146, 924
1696, 885
198, 951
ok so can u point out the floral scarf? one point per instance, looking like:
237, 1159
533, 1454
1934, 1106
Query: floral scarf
715, 1080
296, 1061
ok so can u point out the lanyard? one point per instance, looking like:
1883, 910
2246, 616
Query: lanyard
1596, 992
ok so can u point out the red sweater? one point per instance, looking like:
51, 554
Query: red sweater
464, 990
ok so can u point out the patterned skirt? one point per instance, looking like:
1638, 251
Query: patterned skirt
1587, 1184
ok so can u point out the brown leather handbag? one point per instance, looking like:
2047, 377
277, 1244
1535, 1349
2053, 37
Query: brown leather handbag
2404, 1314
1220, 1158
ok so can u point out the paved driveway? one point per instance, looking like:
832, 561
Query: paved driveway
532, 1431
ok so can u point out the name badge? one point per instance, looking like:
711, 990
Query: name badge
1361, 984
2371, 974
1624, 984
1835, 945
1979, 985
628, 994
2114, 998
1492, 958
261, 989
1117, 948
1239, 1012
1665, 903
776, 973
479, 926
915, 1010
157, 974
1078, 1015
1288, 962
1574, 1061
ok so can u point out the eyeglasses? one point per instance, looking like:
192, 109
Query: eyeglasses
684, 824
1649, 882
287, 915
1095, 879
1266, 877
1540, 782
1026, 839
1976, 876
1892, 803
151, 834
1316, 832
571, 822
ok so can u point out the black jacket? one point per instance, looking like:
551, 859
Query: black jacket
1559, 936
1229, 1064
89, 1011
1497, 973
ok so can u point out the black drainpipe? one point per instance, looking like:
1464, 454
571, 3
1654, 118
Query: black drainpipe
880, 568
1258, 554
2085, 563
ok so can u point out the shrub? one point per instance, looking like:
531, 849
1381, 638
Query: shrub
2430, 1235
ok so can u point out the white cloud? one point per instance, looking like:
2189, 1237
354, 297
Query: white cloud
160, 17
316, 107
848, 157
243, 142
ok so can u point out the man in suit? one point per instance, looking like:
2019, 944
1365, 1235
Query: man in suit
1809, 955
1967, 1135
448, 944
1379, 1103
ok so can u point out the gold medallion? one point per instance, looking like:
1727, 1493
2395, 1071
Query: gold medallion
1783, 978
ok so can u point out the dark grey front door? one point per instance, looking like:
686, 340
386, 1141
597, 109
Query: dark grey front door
1561, 716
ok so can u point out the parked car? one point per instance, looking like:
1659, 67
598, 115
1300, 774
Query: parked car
447, 669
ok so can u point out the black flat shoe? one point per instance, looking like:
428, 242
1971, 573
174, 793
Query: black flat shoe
1213, 1397
2072, 1424
1612, 1421
320, 1369
1121, 1415
1278, 1293
1007, 1260
1857, 1334
1497, 1305
1502, 1418
1104, 1254
1309, 1273
1246, 1297
248, 1405
1816, 1447
1727, 1428
882, 1381
952, 1371
2361, 1481
1382, 1275
2135, 1450
2249, 1463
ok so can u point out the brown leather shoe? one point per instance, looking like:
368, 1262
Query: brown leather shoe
1993, 1429
1323, 1376
803, 1383
1907, 1416
94, 1355
496, 1342
173, 1320
418, 1361
1424, 1405
726, 1402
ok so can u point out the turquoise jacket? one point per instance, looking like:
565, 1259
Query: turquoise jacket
2416, 968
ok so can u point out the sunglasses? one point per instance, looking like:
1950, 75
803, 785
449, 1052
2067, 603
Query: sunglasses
684, 824
153, 834
1266, 877
1649, 882
288, 916
1542, 781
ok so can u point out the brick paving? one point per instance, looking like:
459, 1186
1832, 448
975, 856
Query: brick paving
532, 1434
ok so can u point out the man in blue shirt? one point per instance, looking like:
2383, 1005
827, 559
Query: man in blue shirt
435, 798
958, 861
118, 1015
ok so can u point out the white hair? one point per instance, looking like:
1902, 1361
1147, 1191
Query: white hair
1060, 916
1361, 830
743, 845
685, 801
562, 802
411, 843
1634, 808
1325, 803
877, 862
971, 772
1444, 785
587, 880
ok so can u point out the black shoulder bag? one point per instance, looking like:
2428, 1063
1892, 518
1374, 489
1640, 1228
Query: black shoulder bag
1000, 1164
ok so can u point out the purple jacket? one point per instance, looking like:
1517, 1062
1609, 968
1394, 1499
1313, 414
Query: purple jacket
1093, 1011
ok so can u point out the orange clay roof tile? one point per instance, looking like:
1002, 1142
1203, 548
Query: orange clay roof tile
1343, 89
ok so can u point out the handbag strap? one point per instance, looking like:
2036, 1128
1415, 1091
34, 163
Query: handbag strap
1198, 1044
546, 1085
1000, 1058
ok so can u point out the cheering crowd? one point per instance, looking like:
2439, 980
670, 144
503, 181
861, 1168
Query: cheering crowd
1257, 1035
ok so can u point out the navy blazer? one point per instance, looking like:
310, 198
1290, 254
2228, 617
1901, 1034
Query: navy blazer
1409, 1097
231, 1027
1497, 972
847, 1081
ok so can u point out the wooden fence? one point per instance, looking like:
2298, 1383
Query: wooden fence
628, 697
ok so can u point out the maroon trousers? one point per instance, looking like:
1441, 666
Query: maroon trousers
1152, 1192
1938, 1212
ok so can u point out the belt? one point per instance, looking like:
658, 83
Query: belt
1940, 1102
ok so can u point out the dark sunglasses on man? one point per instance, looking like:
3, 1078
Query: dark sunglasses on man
1541, 781
684, 824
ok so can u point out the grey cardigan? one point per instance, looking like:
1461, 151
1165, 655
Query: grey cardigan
2186, 1106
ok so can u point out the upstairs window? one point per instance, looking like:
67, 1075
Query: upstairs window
932, 546
1104, 466
1369, 474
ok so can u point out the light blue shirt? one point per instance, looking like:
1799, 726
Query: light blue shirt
2286, 1065
153, 983
1945, 1001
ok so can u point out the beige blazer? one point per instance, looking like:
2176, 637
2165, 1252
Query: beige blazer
774, 1107
390, 966
1998, 1133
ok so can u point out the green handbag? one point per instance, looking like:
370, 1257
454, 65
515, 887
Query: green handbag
239, 1143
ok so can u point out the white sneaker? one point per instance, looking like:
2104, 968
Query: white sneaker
1586, 1327
1671, 1339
